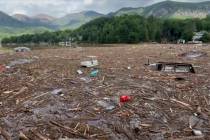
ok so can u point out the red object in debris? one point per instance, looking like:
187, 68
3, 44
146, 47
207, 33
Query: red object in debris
2, 68
125, 98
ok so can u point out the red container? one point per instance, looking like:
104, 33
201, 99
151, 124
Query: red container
125, 98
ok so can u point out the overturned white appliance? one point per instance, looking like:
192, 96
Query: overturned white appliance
22, 49
92, 62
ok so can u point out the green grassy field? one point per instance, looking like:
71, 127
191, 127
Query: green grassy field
8, 31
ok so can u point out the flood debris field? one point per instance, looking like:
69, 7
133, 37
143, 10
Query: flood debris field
43, 97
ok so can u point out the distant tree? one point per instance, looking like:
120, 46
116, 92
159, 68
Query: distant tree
206, 37
188, 30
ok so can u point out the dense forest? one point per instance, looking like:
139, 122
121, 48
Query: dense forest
123, 29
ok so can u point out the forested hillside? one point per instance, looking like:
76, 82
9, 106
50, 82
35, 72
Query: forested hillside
123, 29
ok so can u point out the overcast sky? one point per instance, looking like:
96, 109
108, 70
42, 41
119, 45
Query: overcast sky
59, 8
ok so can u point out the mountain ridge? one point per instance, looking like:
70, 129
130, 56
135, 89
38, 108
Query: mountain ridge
44, 17
38, 20
6, 20
169, 9
77, 19
165, 9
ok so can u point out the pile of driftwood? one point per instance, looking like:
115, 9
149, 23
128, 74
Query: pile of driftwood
44, 97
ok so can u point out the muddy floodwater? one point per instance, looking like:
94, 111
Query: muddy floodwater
43, 96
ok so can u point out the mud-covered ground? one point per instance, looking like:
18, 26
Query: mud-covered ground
43, 97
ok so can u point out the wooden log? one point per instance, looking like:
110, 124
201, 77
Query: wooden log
5, 134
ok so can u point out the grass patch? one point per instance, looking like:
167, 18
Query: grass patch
5, 50
9, 31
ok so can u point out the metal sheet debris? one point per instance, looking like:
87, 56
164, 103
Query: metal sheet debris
173, 67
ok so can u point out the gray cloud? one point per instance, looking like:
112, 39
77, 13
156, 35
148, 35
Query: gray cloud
62, 7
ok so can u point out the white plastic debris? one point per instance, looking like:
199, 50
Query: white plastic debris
197, 132
79, 72
35, 57
57, 92
153, 66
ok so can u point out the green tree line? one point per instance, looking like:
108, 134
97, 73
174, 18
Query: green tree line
123, 29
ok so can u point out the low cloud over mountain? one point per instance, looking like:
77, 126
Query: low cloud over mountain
63, 7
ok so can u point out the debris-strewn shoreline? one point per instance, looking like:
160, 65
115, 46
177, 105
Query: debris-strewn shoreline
46, 94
